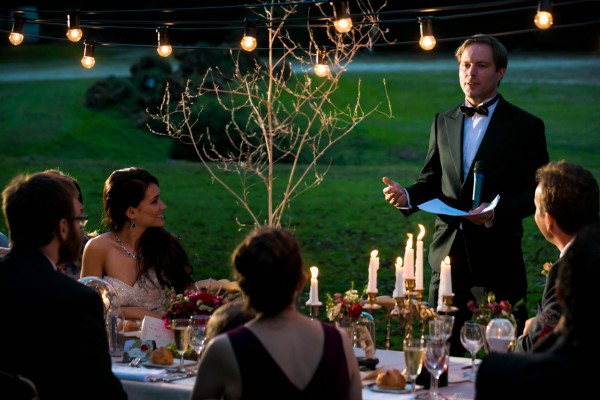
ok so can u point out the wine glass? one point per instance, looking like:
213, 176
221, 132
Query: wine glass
436, 362
181, 333
414, 352
471, 337
447, 322
198, 332
499, 333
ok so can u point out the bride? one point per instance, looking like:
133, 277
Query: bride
137, 255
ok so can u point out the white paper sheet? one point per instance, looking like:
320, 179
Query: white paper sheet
436, 206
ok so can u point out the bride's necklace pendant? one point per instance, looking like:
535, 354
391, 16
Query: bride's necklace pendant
127, 252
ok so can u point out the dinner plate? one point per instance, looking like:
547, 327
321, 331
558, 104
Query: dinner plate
186, 363
388, 389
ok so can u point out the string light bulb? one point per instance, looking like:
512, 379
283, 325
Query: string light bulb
321, 67
543, 18
88, 59
427, 40
249, 40
342, 22
74, 33
16, 34
164, 48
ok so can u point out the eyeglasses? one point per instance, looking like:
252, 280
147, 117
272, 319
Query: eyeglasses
83, 220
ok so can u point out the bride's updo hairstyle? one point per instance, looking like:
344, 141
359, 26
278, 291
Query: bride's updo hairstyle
268, 266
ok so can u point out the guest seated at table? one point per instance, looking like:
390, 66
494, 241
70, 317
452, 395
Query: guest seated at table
561, 361
137, 255
281, 354
566, 199
3, 244
53, 330
228, 316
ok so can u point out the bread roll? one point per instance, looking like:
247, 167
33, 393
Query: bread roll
161, 356
391, 378
131, 326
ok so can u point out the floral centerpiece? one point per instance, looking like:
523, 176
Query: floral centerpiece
488, 309
344, 306
190, 302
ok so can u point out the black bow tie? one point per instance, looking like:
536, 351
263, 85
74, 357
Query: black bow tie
481, 109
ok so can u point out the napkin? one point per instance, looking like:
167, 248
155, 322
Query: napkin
137, 374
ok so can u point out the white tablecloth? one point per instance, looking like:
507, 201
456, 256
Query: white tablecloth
457, 389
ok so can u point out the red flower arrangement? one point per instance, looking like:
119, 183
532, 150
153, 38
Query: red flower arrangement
190, 303
485, 312
344, 305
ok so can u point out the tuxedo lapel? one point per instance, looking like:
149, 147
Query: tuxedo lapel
453, 129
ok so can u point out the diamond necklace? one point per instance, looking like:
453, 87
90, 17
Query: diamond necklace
127, 252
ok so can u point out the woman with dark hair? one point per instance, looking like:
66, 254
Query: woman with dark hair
137, 255
280, 354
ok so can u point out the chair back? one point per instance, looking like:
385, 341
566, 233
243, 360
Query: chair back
21, 387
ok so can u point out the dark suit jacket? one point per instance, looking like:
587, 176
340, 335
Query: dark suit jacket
548, 315
552, 374
53, 330
513, 148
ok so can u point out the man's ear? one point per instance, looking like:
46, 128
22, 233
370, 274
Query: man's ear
63, 229
550, 222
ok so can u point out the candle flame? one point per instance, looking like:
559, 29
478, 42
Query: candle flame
421, 233
374, 254
399, 262
447, 260
314, 272
409, 242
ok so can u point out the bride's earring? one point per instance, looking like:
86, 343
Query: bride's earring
132, 223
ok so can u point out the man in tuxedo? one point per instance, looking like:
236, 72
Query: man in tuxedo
53, 332
484, 247
564, 357
566, 199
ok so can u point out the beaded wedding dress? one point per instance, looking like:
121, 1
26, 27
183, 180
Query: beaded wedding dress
146, 292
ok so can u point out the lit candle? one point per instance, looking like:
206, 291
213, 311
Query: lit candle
399, 289
448, 271
419, 261
409, 259
441, 287
313, 299
373, 267
445, 281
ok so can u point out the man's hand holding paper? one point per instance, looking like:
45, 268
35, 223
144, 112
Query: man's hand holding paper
479, 215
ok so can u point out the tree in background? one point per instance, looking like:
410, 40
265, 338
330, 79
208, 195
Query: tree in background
283, 118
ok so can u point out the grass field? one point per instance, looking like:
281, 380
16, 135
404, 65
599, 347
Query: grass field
45, 124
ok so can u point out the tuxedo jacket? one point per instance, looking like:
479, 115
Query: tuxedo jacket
53, 330
550, 374
513, 148
548, 315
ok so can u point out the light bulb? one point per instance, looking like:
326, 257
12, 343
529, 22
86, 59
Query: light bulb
164, 48
16, 38
164, 51
74, 35
88, 61
427, 42
322, 70
543, 19
343, 25
248, 43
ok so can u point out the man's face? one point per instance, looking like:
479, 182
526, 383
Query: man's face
477, 73
70, 248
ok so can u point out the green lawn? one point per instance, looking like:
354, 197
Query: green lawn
46, 125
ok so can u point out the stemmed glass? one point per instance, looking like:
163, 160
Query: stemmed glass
181, 333
198, 332
471, 337
436, 362
499, 333
414, 352
447, 325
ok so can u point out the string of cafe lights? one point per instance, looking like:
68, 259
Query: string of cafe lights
340, 18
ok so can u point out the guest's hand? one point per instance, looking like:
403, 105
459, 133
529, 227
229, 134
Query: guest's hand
394, 193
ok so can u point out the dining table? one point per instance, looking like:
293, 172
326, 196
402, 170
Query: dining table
459, 387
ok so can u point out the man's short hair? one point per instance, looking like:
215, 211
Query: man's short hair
34, 204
